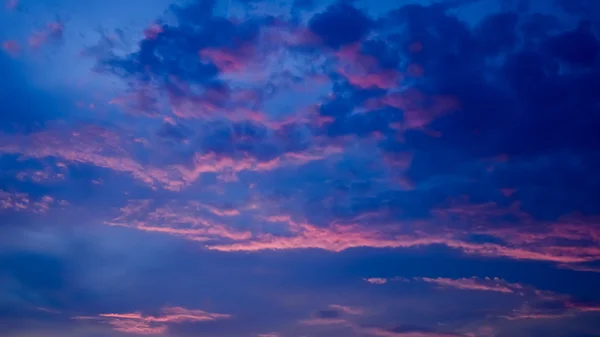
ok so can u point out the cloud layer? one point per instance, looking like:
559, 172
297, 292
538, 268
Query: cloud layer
301, 167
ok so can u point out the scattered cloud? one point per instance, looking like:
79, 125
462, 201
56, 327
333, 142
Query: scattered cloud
136, 323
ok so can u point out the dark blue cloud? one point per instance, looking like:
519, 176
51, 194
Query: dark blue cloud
497, 33
341, 24
578, 47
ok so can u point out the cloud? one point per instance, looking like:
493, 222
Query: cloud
326, 317
581, 268
340, 24
22, 202
540, 311
136, 323
487, 284
11, 4
584, 307
407, 333
548, 305
335, 315
11, 47
324, 321
309, 144
88, 147
109, 149
52, 32
494, 285
346, 309
180, 220
376, 280
269, 334
341, 236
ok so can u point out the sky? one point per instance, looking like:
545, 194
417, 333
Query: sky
300, 168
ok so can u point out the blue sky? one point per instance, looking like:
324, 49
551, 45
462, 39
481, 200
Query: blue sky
300, 168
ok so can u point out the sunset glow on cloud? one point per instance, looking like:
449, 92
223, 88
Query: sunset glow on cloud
415, 168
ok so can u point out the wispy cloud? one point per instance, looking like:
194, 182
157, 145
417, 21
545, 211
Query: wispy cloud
415, 333
347, 309
136, 323
188, 220
473, 283
487, 284
22, 202
11, 47
53, 31
376, 280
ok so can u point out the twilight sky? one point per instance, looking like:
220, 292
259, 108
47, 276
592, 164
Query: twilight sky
300, 168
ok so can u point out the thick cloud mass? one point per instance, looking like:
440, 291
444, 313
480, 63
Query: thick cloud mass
300, 168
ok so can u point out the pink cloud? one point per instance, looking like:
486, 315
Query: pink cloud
379, 332
221, 212
114, 151
399, 160
524, 315
175, 219
551, 254
153, 31
419, 109
138, 327
531, 241
141, 101
228, 61
582, 268
415, 70
89, 146
213, 163
376, 280
487, 284
284, 35
390, 333
136, 323
45, 175
571, 239
341, 309
22, 202
527, 312
384, 80
565, 307
477, 284
53, 31
11, 47
12, 4
522, 243
364, 71
507, 192
339, 237
465, 210
347, 309
324, 321
415, 47
583, 307
269, 334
